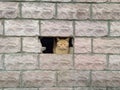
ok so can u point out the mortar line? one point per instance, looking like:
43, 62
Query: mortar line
20, 8
39, 28
109, 27
59, 19
107, 57
38, 60
69, 54
90, 75
21, 80
4, 68
73, 45
21, 41
92, 51
56, 77
24, 70
56, 10
40, 1
91, 11
3, 62
3, 23
71, 36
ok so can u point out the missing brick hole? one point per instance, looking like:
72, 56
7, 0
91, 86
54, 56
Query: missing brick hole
49, 44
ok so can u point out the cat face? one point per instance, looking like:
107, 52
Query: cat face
63, 44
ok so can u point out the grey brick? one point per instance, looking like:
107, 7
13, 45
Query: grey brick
9, 9
38, 10
21, 61
56, 28
21, 27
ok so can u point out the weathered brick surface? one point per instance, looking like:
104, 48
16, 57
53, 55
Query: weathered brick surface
110, 88
90, 62
21, 27
106, 78
82, 45
114, 62
31, 44
106, 11
114, 0
1, 61
1, 28
90, 0
56, 28
73, 11
73, 78
106, 45
20, 89
9, 79
56, 88
115, 31
57, 0
38, 79
98, 88
90, 28
21, 61
9, 9
55, 62
82, 88
38, 10
9, 44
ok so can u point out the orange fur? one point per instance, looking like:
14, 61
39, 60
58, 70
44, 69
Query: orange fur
61, 46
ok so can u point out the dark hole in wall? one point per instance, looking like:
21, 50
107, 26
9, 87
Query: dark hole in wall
48, 43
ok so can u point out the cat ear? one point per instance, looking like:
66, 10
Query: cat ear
67, 39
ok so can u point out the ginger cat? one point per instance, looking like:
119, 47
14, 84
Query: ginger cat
61, 46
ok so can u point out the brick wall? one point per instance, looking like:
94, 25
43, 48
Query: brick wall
95, 27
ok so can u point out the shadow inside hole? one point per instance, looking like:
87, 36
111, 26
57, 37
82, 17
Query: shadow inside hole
48, 43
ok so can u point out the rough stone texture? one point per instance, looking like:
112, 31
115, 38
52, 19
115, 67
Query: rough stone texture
106, 11
32, 44
20, 89
9, 79
114, 62
73, 11
114, 0
90, 0
73, 78
82, 88
1, 28
21, 61
98, 88
90, 62
115, 29
21, 27
9, 44
38, 10
38, 79
9, 9
113, 88
82, 45
1, 62
56, 28
56, 62
106, 78
57, 0
106, 45
55, 88
91, 28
